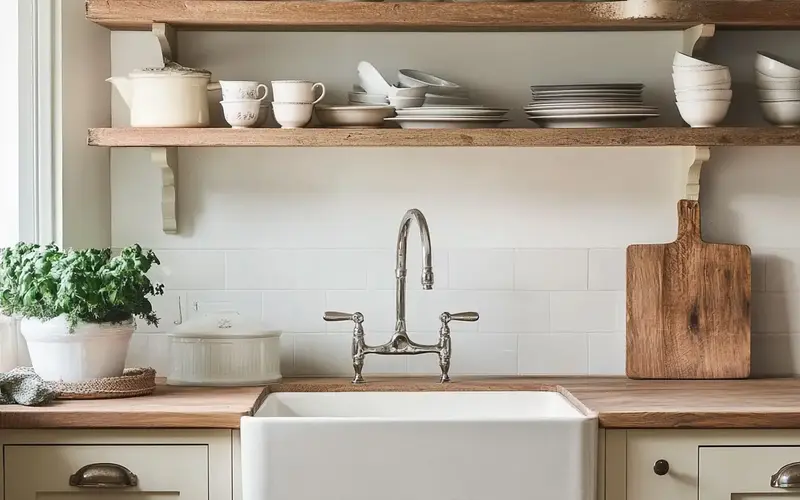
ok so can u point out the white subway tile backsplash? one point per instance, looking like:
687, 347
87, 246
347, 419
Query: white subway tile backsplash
758, 271
287, 354
585, 311
553, 354
607, 269
775, 312
377, 306
472, 355
775, 355
296, 269
545, 269
423, 308
513, 312
139, 354
190, 269
202, 302
294, 310
481, 269
782, 270
158, 345
606, 353
381, 265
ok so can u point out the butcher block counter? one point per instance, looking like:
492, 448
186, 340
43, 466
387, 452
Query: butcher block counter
618, 402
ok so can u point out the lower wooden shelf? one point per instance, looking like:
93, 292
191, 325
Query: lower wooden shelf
500, 137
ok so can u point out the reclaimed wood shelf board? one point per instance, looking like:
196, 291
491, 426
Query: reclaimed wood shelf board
443, 16
499, 137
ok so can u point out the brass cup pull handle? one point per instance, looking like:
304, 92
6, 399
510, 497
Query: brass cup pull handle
103, 475
787, 476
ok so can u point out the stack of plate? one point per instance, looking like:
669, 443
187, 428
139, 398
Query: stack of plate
450, 117
588, 106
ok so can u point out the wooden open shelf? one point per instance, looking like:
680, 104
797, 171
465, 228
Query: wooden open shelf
374, 16
501, 137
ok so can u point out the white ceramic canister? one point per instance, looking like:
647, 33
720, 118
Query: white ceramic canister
172, 96
91, 350
224, 349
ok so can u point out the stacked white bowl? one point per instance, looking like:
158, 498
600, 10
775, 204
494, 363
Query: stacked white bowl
778, 90
702, 90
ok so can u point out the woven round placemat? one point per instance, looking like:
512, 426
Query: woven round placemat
133, 382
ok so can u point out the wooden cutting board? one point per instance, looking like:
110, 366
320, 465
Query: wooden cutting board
688, 306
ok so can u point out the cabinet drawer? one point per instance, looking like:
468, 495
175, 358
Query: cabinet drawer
743, 472
161, 471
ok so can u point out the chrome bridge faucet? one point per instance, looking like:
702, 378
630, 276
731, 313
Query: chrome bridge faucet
400, 343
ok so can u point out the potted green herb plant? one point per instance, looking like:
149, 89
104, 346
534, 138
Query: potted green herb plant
77, 306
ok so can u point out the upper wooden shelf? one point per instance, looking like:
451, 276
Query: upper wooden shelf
501, 137
442, 16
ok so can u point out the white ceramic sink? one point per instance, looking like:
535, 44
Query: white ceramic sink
418, 446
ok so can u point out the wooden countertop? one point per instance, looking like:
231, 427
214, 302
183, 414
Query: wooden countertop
619, 402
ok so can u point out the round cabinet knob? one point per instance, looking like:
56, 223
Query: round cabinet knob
661, 467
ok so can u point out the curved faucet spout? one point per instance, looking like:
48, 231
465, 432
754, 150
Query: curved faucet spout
400, 268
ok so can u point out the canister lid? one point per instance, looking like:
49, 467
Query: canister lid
169, 69
223, 325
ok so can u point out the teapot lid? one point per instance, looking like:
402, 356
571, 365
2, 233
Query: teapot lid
170, 69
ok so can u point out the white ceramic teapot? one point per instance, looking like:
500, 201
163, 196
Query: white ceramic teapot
172, 96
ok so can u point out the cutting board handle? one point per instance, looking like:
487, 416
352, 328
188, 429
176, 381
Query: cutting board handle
689, 220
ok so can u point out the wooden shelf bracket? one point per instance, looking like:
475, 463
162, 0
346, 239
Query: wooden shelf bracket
167, 40
166, 159
696, 38
695, 157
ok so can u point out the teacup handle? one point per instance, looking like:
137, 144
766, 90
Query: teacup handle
266, 91
322, 94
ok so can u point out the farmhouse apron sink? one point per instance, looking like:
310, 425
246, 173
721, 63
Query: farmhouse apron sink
418, 446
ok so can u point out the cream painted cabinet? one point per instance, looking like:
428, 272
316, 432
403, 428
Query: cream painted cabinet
117, 464
702, 464
106, 472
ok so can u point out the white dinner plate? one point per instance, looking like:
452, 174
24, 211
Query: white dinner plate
452, 111
590, 121
593, 111
591, 86
428, 122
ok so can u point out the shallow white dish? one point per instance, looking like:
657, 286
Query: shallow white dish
399, 102
589, 86
352, 116
591, 121
782, 114
773, 66
452, 111
447, 122
367, 98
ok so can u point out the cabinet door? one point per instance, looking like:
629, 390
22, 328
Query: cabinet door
66, 472
744, 472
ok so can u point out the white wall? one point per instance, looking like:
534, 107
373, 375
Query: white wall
533, 239
9, 128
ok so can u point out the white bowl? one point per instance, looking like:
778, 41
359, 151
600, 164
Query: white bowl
445, 100
769, 83
681, 60
782, 114
779, 95
772, 66
416, 78
701, 114
367, 98
704, 95
241, 114
693, 79
408, 92
399, 102
371, 79
352, 116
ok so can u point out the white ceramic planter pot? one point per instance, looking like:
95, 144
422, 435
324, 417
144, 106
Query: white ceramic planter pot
92, 350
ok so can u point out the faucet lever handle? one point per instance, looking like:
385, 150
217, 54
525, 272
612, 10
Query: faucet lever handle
355, 317
470, 316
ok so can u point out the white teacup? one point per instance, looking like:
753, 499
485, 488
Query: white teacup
296, 91
292, 114
241, 114
242, 90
